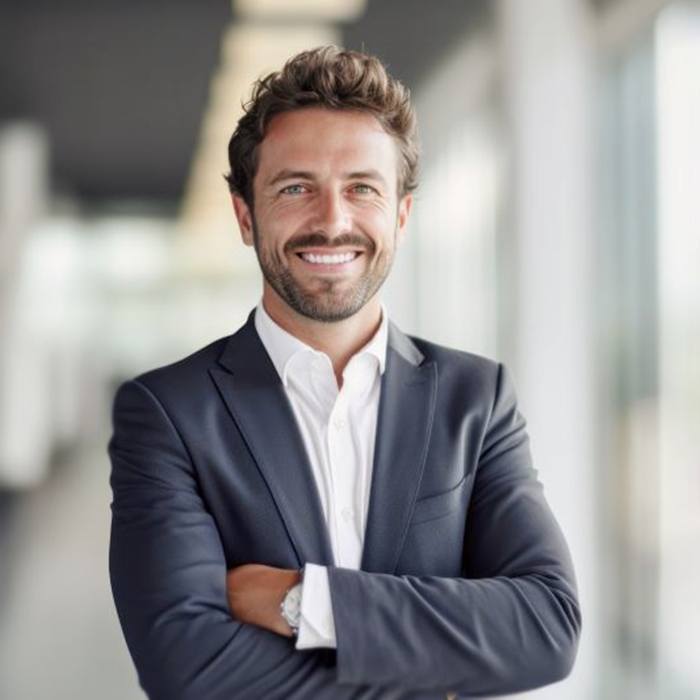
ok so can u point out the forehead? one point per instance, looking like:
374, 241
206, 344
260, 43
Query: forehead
318, 139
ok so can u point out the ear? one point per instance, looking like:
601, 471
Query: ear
244, 217
402, 219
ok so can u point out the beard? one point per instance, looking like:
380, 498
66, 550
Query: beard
330, 300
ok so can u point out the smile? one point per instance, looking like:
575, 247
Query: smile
333, 259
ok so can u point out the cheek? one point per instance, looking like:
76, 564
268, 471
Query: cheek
280, 224
380, 221
271, 233
384, 230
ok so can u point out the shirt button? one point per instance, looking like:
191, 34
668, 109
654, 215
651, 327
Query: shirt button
347, 514
338, 423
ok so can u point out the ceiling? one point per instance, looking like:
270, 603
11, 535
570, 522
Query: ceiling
120, 87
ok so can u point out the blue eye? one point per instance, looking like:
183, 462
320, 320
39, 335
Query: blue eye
362, 189
293, 189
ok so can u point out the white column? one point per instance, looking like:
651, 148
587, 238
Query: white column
25, 421
547, 54
678, 156
23, 194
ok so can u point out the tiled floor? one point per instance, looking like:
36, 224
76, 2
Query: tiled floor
59, 634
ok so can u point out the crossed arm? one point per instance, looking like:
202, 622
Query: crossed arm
511, 624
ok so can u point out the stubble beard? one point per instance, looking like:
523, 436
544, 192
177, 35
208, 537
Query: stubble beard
331, 300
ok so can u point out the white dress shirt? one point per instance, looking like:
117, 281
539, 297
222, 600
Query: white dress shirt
338, 428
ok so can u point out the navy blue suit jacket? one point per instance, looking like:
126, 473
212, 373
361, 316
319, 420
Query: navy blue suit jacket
466, 584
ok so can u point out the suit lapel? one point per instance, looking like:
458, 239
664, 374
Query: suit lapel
255, 397
404, 424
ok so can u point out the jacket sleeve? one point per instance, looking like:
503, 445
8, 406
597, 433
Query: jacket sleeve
512, 621
168, 576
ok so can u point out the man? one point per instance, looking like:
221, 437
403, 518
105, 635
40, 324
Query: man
393, 474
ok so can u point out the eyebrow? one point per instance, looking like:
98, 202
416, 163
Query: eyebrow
370, 174
287, 174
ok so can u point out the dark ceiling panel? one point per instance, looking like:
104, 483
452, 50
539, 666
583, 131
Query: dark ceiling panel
412, 36
120, 87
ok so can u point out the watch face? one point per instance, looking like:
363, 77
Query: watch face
291, 606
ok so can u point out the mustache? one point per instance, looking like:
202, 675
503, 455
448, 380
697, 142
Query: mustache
319, 240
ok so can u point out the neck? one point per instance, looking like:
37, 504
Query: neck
340, 340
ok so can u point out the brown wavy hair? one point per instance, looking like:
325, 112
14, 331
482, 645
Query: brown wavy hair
335, 79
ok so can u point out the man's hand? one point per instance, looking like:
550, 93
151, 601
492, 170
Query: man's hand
255, 592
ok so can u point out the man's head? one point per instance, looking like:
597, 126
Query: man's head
323, 162
325, 77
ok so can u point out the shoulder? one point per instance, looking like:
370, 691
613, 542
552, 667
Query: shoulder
195, 363
456, 362
463, 374
182, 378
468, 381
418, 350
451, 357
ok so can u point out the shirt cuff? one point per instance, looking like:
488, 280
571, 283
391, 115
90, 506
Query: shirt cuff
316, 625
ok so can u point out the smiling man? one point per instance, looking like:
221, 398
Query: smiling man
320, 506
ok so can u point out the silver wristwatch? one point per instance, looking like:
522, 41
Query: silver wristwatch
290, 607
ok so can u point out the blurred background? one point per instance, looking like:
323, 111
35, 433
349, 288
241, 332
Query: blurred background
555, 229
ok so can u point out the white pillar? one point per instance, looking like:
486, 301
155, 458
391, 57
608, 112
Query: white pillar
23, 195
547, 55
25, 421
678, 156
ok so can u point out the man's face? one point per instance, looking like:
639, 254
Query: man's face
327, 217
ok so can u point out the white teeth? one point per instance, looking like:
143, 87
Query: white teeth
329, 259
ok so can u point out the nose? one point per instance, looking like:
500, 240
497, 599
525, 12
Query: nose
333, 217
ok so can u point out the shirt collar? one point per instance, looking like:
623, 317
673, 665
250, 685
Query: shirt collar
282, 346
